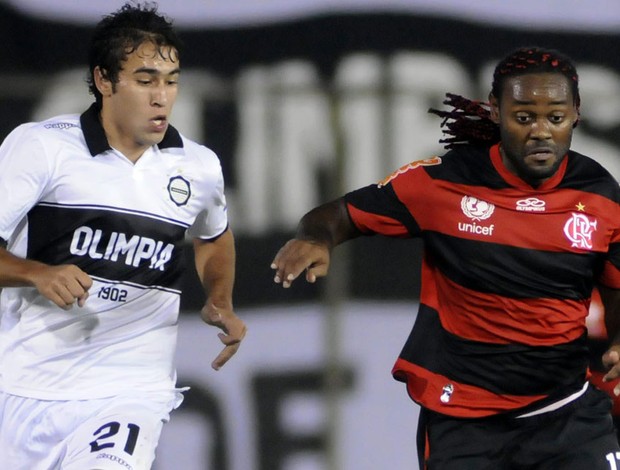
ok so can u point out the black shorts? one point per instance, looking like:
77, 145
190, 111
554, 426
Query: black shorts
578, 436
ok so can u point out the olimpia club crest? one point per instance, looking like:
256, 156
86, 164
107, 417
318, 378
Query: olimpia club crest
179, 190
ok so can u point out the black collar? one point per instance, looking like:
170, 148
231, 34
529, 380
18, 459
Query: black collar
98, 143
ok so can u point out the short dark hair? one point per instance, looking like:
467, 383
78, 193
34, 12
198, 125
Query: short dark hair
122, 32
534, 60
469, 121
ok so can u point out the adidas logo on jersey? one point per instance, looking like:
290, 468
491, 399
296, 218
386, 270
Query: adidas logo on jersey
134, 250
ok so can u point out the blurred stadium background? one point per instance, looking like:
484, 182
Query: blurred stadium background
302, 100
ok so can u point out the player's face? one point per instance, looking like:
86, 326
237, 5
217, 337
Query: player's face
138, 107
536, 114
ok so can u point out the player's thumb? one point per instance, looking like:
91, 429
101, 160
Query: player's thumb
315, 272
211, 315
81, 301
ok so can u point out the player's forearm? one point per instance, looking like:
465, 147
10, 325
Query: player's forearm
16, 271
328, 224
219, 284
215, 264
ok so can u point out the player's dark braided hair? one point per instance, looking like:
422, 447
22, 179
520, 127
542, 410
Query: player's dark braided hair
469, 121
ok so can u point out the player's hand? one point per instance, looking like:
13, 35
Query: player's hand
64, 285
233, 328
611, 360
297, 256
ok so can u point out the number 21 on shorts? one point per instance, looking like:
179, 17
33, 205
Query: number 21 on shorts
107, 436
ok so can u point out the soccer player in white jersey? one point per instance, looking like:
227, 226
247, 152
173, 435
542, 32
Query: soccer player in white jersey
95, 209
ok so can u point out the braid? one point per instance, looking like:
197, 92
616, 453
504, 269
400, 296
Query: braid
469, 122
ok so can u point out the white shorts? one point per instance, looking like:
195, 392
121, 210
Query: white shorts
118, 433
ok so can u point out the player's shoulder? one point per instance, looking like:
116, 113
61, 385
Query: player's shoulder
44, 132
586, 174
18, 132
199, 153
59, 122
579, 163
409, 168
458, 157
454, 164
195, 147
54, 127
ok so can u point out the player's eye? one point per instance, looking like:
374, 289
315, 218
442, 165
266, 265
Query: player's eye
523, 118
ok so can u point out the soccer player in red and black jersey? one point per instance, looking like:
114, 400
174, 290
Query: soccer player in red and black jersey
518, 230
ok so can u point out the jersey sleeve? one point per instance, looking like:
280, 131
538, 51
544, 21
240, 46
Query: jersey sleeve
212, 220
26, 171
395, 206
376, 209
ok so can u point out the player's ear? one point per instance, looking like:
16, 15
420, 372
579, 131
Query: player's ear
577, 118
102, 82
494, 108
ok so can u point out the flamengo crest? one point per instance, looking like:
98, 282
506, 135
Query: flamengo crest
578, 229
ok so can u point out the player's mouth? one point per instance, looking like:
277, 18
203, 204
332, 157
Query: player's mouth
541, 155
159, 123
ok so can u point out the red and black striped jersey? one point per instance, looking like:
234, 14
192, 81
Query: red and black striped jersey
507, 275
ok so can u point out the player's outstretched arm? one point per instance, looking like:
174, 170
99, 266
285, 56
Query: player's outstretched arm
64, 285
318, 232
215, 264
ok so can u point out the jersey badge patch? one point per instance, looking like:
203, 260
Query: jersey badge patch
579, 229
179, 190
476, 209
411, 166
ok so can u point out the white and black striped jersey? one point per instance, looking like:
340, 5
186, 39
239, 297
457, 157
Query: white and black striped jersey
69, 198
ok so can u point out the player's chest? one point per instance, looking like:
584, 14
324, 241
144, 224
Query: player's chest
167, 190
565, 220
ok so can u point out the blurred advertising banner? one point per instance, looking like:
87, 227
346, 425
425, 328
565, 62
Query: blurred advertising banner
324, 97
327, 95
267, 409
546, 14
